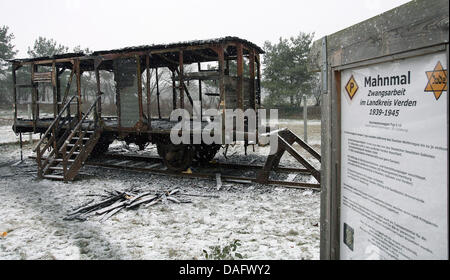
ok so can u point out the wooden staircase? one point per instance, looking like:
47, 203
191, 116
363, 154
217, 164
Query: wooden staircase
67, 144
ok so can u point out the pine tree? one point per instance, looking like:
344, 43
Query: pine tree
46, 47
286, 77
7, 52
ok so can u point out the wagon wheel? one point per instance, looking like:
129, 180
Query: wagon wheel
205, 153
177, 157
141, 144
161, 149
100, 148
162, 144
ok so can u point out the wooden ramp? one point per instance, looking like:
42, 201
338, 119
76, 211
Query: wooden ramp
286, 139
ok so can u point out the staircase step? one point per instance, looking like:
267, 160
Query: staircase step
56, 168
73, 145
61, 160
86, 131
84, 139
54, 177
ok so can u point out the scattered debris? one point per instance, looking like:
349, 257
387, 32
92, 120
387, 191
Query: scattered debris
17, 163
239, 181
219, 181
200, 195
117, 201
291, 177
188, 171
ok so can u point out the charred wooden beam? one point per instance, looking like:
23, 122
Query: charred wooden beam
222, 104
78, 78
200, 97
99, 93
174, 91
180, 76
69, 83
61, 70
14, 79
35, 97
147, 71
252, 79
184, 87
258, 80
54, 75
240, 71
158, 93
139, 84
58, 88
46, 62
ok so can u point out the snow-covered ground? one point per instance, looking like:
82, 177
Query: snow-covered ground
271, 222
7, 135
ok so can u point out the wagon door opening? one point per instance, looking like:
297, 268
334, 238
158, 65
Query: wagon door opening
126, 78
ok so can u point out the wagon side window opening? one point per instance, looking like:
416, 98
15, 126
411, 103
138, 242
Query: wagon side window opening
209, 72
189, 85
249, 80
44, 98
36, 92
190, 88
178, 82
24, 93
42, 79
88, 90
238, 80
239, 67
146, 110
67, 89
161, 93
108, 89
181, 84
159, 84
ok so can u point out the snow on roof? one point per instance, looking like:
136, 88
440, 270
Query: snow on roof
148, 48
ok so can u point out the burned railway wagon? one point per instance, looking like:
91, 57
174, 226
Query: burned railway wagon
150, 82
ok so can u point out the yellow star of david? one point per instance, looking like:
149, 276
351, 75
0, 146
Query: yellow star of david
437, 80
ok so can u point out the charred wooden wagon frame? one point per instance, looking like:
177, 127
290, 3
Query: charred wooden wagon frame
73, 134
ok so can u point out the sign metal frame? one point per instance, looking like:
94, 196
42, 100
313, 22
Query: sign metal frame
331, 248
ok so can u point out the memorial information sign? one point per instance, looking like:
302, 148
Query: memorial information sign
394, 166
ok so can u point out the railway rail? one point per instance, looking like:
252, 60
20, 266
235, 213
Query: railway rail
155, 165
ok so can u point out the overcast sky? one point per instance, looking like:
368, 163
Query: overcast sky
109, 24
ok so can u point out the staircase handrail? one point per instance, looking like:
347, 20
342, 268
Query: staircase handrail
94, 104
54, 123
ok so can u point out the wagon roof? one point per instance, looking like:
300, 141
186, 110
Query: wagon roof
227, 39
183, 44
